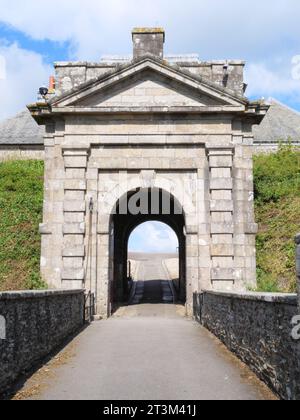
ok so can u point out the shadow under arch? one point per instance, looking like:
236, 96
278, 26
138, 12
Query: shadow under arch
123, 222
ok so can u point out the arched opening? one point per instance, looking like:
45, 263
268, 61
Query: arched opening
131, 211
153, 263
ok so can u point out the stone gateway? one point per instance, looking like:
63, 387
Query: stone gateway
170, 138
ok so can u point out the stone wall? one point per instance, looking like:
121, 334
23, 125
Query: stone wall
69, 75
183, 130
18, 152
199, 161
257, 328
271, 147
34, 324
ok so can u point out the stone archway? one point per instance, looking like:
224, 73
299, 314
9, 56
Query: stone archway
148, 123
159, 206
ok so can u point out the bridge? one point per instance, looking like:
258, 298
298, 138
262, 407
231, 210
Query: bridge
127, 142
146, 351
148, 140
149, 349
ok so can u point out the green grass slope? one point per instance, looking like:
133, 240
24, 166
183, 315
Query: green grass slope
277, 207
21, 201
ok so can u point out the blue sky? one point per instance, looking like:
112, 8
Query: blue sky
50, 50
153, 237
34, 34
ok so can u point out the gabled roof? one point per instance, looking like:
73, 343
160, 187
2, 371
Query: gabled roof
280, 123
21, 129
223, 96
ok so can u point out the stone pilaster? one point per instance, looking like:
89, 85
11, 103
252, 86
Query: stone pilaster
104, 273
204, 239
192, 267
221, 212
74, 227
91, 219
244, 219
51, 228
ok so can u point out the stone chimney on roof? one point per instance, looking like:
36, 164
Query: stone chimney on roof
148, 41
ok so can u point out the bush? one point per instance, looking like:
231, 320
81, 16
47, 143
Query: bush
277, 175
277, 207
21, 202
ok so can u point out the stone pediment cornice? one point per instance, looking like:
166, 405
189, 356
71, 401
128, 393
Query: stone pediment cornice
223, 96
76, 101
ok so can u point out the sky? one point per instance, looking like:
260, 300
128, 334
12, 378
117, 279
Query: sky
34, 34
153, 237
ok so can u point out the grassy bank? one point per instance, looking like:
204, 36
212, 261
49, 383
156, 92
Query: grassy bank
21, 200
277, 206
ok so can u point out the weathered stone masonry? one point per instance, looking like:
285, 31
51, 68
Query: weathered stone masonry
184, 129
258, 329
36, 323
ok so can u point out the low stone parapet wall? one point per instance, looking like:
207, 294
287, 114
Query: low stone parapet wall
272, 147
19, 152
32, 325
259, 329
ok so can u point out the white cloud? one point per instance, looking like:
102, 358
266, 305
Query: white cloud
258, 31
25, 72
153, 237
2, 68
210, 27
265, 81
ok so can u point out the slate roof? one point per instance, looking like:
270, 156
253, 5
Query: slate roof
280, 124
21, 130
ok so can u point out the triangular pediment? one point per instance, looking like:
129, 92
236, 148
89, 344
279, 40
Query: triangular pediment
148, 84
148, 90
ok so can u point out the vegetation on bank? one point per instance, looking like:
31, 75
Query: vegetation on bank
21, 202
277, 207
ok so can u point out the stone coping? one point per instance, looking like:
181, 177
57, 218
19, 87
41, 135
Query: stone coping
285, 298
277, 143
37, 294
114, 63
146, 30
22, 146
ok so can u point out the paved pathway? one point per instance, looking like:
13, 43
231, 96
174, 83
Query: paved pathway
153, 286
146, 351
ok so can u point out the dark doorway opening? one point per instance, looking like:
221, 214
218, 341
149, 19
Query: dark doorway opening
124, 221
